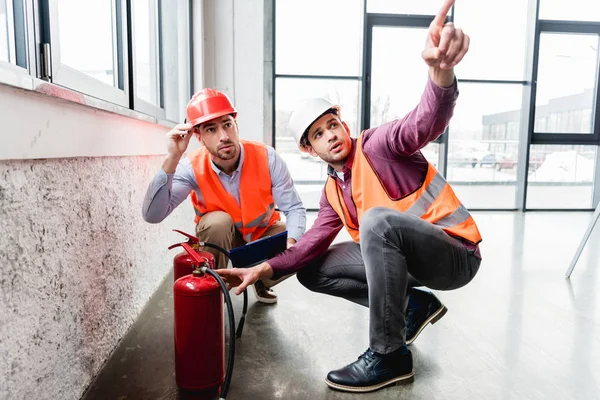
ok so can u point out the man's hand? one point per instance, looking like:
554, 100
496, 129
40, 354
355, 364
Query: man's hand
445, 47
291, 242
244, 277
177, 142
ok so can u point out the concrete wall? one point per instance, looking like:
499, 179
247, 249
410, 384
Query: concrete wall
78, 263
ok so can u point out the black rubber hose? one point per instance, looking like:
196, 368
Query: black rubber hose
231, 357
245, 306
215, 246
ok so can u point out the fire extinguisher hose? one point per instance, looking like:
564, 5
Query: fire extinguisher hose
231, 357
240, 328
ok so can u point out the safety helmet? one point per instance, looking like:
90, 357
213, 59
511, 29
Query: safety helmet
306, 114
208, 104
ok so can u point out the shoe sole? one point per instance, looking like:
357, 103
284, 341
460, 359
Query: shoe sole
433, 318
262, 299
399, 380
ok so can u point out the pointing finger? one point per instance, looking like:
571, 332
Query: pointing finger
440, 18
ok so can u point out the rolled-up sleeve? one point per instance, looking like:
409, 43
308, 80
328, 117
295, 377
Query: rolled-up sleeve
285, 195
166, 192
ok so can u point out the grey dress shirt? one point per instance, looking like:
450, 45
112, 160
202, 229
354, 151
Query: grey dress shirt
167, 191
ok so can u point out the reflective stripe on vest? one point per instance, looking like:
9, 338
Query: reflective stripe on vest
433, 201
256, 210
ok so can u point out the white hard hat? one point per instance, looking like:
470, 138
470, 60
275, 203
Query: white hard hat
306, 113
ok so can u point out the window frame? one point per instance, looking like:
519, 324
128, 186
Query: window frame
18, 13
137, 102
565, 27
71, 78
10, 30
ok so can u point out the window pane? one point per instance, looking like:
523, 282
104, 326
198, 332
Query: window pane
493, 56
562, 176
309, 173
574, 10
7, 40
319, 37
94, 53
422, 7
483, 144
397, 77
145, 36
567, 79
432, 153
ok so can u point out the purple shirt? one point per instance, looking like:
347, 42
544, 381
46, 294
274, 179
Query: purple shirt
393, 150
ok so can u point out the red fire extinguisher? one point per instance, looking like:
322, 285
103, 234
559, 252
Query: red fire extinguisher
183, 264
199, 328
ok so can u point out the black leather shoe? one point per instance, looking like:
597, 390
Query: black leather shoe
423, 308
373, 371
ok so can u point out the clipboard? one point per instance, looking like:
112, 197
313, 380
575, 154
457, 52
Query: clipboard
260, 250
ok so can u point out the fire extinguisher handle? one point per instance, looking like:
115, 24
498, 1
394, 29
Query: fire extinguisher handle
191, 238
197, 257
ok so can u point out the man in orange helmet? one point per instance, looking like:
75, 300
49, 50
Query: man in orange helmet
408, 227
235, 184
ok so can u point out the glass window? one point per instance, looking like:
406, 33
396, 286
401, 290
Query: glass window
398, 77
308, 172
561, 176
7, 40
432, 153
94, 53
572, 10
421, 7
483, 145
493, 56
146, 52
567, 81
316, 37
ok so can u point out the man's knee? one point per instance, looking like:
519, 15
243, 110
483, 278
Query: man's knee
375, 220
216, 224
382, 223
308, 278
379, 219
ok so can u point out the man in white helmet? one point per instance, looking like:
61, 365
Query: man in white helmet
408, 227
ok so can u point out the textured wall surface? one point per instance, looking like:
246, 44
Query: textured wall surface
78, 263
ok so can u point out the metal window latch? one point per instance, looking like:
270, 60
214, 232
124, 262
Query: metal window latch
46, 71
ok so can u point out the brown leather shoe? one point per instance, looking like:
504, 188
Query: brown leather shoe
264, 294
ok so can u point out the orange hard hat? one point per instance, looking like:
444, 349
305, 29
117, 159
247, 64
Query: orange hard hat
208, 104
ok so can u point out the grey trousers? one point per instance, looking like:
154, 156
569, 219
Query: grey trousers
396, 251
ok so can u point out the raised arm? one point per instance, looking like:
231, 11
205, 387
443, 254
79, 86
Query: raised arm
445, 48
174, 181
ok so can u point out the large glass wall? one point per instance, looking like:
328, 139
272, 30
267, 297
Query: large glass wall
317, 54
495, 142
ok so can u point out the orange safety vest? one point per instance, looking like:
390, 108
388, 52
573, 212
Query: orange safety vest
434, 201
256, 210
